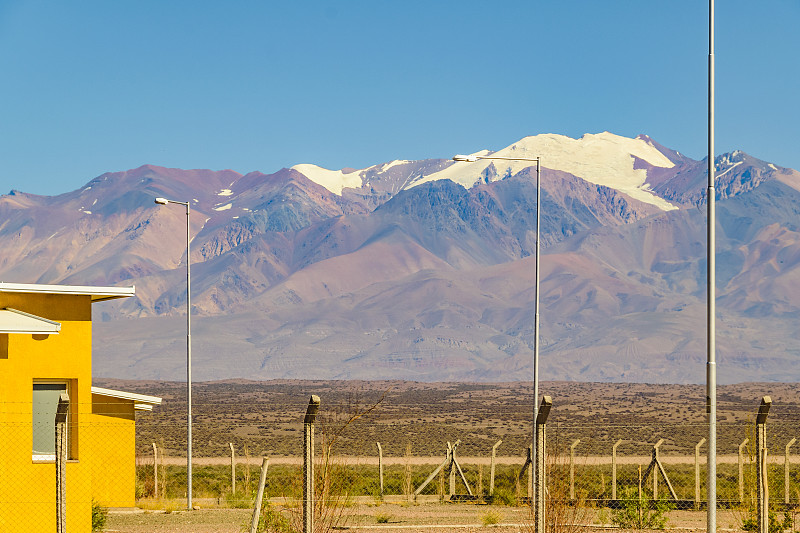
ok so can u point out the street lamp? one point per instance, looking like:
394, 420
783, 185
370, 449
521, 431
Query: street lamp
164, 201
537, 160
711, 363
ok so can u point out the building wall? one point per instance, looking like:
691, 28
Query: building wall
111, 443
27, 489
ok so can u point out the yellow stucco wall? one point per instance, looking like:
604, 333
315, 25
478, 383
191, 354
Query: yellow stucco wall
101, 464
111, 445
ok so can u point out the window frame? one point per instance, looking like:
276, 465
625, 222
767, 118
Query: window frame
68, 388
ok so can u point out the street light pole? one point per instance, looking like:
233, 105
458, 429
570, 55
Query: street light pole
537, 160
164, 201
711, 366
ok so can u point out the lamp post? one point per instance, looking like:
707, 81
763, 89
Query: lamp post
537, 160
711, 364
164, 201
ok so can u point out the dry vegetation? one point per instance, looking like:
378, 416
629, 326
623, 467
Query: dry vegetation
267, 415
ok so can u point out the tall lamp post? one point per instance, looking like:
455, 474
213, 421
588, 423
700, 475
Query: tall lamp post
537, 160
164, 201
711, 364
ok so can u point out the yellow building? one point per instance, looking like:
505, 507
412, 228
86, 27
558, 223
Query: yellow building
46, 350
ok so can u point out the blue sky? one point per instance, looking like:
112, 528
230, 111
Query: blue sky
95, 86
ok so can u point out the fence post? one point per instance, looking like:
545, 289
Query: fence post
572, 469
656, 460
786, 472
233, 469
155, 471
614, 469
308, 464
540, 479
761, 450
530, 488
741, 469
491, 467
61, 461
261, 480
697, 474
452, 478
380, 466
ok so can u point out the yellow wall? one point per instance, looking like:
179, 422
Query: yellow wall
27, 489
111, 446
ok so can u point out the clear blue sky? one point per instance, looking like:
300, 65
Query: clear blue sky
95, 86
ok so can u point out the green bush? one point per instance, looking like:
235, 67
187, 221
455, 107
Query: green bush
640, 512
272, 521
99, 516
775, 526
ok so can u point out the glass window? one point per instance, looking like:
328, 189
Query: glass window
45, 402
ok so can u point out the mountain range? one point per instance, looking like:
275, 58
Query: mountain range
424, 270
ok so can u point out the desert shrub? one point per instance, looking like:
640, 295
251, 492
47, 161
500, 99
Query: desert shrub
502, 496
272, 521
99, 516
490, 518
774, 525
640, 512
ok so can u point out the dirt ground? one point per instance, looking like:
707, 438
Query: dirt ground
393, 517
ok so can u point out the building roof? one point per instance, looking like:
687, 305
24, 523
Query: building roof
97, 293
15, 321
140, 401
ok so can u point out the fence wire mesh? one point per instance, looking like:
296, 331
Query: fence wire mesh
414, 448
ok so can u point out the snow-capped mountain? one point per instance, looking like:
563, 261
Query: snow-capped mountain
423, 269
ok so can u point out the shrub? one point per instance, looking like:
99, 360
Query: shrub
775, 526
272, 521
490, 518
640, 512
99, 516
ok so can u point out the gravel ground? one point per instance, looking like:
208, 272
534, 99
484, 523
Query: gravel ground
389, 518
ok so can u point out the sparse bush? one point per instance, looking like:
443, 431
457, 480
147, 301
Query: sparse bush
490, 518
99, 516
774, 525
639, 512
272, 521
383, 518
502, 496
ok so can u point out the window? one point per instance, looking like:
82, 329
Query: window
45, 402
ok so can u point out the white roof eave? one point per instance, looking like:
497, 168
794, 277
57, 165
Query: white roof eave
97, 293
140, 401
19, 322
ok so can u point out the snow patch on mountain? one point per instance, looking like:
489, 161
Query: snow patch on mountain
386, 166
333, 180
603, 159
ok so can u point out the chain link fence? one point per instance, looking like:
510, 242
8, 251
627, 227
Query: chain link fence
382, 454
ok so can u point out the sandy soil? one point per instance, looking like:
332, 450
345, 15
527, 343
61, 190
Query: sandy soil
394, 517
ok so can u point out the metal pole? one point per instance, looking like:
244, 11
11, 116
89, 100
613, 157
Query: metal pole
380, 467
62, 414
535, 464
188, 363
539, 460
308, 464
257, 508
165, 201
761, 466
711, 366
155, 471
